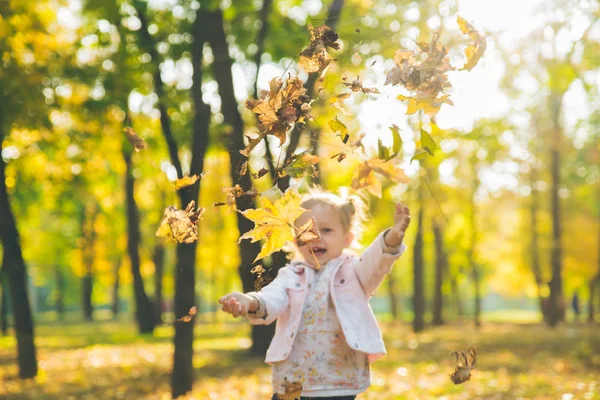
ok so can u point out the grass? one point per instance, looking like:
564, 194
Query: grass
109, 360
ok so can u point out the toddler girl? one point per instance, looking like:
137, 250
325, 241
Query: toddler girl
326, 333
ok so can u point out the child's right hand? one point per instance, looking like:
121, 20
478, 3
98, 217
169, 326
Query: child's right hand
236, 304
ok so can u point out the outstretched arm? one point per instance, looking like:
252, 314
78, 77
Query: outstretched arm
377, 260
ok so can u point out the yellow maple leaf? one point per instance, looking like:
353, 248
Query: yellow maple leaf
475, 50
274, 222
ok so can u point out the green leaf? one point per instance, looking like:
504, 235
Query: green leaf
337, 126
419, 155
427, 142
383, 152
397, 143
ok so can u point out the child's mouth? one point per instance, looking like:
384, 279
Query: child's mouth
319, 251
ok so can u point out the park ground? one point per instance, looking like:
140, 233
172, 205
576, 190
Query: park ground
109, 360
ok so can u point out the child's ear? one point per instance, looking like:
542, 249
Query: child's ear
348, 239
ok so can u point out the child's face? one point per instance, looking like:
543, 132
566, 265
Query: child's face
333, 237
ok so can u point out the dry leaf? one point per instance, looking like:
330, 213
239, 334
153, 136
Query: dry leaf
475, 50
263, 277
340, 156
278, 109
274, 222
465, 362
181, 225
314, 59
236, 191
262, 172
188, 180
365, 176
297, 165
137, 142
336, 101
189, 316
244, 168
307, 233
292, 390
356, 86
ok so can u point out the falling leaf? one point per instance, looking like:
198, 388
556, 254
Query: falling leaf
475, 50
366, 176
137, 142
357, 30
236, 191
188, 180
181, 225
340, 156
314, 59
274, 222
189, 316
337, 126
465, 362
298, 164
356, 86
262, 278
307, 233
396, 139
219, 204
244, 168
373, 63
336, 101
428, 143
262, 172
292, 390
278, 109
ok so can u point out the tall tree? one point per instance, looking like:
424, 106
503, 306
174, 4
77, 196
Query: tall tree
144, 312
418, 265
440, 267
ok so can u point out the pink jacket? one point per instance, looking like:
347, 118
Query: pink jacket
354, 282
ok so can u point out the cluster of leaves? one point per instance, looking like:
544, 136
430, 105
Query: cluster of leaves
278, 109
425, 72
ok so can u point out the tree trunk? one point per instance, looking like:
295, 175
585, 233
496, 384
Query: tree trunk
472, 245
535, 259
392, 295
144, 312
59, 301
556, 312
261, 334
440, 265
418, 267
15, 272
3, 303
595, 281
88, 231
115, 294
456, 294
158, 256
185, 271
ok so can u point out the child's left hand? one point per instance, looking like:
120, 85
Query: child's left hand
395, 235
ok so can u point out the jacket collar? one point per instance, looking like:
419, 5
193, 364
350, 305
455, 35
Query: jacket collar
298, 266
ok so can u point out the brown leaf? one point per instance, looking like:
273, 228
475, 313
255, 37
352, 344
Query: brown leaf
236, 191
314, 59
278, 109
181, 225
356, 86
340, 156
137, 142
307, 233
244, 168
189, 316
292, 390
263, 277
262, 172
465, 362
365, 177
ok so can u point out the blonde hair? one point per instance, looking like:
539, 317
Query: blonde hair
352, 209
